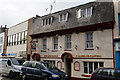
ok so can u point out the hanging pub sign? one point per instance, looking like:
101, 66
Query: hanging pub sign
33, 47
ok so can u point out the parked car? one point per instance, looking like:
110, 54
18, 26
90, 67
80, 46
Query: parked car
10, 66
106, 74
41, 70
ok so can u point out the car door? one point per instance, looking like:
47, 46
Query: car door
37, 70
4, 66
97, 75
27, 69
8, 67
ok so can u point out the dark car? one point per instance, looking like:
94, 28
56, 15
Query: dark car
41, 71
106, 74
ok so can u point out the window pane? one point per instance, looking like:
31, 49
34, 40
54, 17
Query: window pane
90, 67
85, 67
1, 40
68, 42
89, 40
44, 44
89, 11
95, 65
1, 49
83, 12
101, 64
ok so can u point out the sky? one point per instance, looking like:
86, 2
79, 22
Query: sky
13, 12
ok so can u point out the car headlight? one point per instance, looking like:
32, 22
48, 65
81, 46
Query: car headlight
55, 76
66, 75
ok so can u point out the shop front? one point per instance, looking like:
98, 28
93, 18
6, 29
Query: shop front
117, 52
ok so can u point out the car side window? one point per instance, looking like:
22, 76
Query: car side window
27, 64
33, 65
9, 63
42, 67
108, 72
37, 66
99, 72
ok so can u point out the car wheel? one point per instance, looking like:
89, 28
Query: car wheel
45, 78
11, 74
23, 77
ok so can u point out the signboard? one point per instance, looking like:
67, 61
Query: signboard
59, 65
12, 54
77, 66
88, 56
51, 56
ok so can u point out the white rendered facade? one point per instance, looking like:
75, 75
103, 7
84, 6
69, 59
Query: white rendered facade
17, 36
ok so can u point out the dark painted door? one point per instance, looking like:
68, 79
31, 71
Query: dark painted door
117, 59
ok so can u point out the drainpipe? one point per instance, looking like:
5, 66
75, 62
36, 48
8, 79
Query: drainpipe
113, 48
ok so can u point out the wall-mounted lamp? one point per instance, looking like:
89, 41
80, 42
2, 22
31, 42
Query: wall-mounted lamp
76, 47
48, 49
60, 46
97, 47
57, 35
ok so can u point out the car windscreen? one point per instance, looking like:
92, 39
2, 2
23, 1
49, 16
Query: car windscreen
14, 61
49, 66
20, 61
17, 61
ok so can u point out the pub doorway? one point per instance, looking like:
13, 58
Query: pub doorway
67, 59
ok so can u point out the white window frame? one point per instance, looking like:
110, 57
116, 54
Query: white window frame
89, 41
92, 66
1, 40
1, 49
47, 21
45, 44
63, 17
67, 42
79, 12
54, 38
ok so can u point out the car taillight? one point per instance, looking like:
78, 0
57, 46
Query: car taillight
90, 76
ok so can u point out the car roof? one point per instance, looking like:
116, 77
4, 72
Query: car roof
36, 61
108, 68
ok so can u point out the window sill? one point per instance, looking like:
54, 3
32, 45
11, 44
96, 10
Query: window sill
54, 50
43, 50
88, 49
68, 50
86, 75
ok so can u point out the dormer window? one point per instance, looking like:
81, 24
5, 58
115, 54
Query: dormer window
85, 12
47, 21
63, 17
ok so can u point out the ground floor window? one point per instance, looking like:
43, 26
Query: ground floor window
50, 61
89, 67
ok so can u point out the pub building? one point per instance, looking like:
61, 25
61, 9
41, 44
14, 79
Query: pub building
76, 40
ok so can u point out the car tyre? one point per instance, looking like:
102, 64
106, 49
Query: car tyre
11, 74
45, 78
23, 77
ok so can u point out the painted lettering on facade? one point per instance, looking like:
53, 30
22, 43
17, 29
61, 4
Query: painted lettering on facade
92, 56
51, 56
